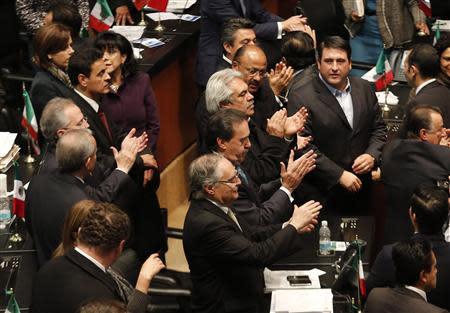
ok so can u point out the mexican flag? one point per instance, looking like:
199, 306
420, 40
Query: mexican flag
29, 121
101, 17
139, 4
12, 306
362, 279
19, 194
159, 5
384, 72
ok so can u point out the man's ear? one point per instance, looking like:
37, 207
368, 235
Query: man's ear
221, 144
423, 134
234, 65
82, 80
209, 189
227, 47
283, 59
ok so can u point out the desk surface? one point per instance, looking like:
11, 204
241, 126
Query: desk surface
307, 257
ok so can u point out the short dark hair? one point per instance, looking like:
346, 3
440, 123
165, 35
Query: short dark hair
334, 42
419, 117
410, 259
425, 58
104, 227
67, 14
81, 63
109, 41
430, 204
103, 306
231, 26
49, 39
242, 50
220, 125
298, 49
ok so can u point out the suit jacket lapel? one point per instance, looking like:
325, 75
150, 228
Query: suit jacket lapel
330, 101
218, 211
357, 109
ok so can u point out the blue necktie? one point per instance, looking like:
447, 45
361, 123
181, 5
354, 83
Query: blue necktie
242, 174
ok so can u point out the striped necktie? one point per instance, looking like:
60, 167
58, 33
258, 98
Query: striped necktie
233, 217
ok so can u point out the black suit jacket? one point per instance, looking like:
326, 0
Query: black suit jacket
406, 164
435, 94
67, 282
298, 81
44, 88
335, 142
214, 14
382, 273
226, 264
398, 300
262, 205
50, 197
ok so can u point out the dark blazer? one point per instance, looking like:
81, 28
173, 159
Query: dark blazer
265, 104
382, 273
298, 81
335, 142
226, 264
435, 94
44, 88
67, 282
398, 300
50, 197
262, 205
214, 14
406, 164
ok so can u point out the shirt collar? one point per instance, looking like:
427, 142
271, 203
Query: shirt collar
420, 87
220, 206
334, 91
422, 293
226, 59
87, 256
94, 105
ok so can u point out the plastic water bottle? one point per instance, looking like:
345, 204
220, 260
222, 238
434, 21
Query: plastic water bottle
5, 211
324, 239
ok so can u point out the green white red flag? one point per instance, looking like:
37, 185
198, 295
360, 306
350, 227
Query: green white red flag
139, 4
158, 5
384, 72
19, 194
12, 306
29, 121
101, 18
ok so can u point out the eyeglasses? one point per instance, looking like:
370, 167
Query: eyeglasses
252, 72
232, 180
80, 123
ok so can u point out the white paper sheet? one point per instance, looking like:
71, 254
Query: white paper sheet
7, 141
390, 99
129, 32
275, 280
302, 301
162, 16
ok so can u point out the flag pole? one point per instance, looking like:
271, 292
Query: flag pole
182, 13
29, 158
15, 238
386, 93
160, 27
142, 22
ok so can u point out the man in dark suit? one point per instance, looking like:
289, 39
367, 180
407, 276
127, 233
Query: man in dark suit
415, 269
215, 12
228, 135
344, 120
428, 214
421, 68
87, 72
236, 32
227, 89
83, 274
50, 196
226, 256
409, 162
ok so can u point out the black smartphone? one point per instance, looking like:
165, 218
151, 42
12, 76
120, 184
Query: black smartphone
298, 280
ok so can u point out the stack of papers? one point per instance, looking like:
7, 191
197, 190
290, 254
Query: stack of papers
165, 16
9, 152
302, 301
129, 32
178, 6
387, 98
444, 25
149, 42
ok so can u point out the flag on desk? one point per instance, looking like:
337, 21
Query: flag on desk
159, 5
19, 194
139, 4
29, 121
101, 17
362, 279
12, 306
384, 72
425, 6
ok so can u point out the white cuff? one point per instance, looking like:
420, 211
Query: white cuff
280, 30
287, 192
122, 170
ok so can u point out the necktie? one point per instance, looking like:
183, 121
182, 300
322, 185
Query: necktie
123, 286
233, 217
244, 9
242, 174
102, 117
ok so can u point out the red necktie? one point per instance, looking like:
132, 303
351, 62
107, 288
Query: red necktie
102, 116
